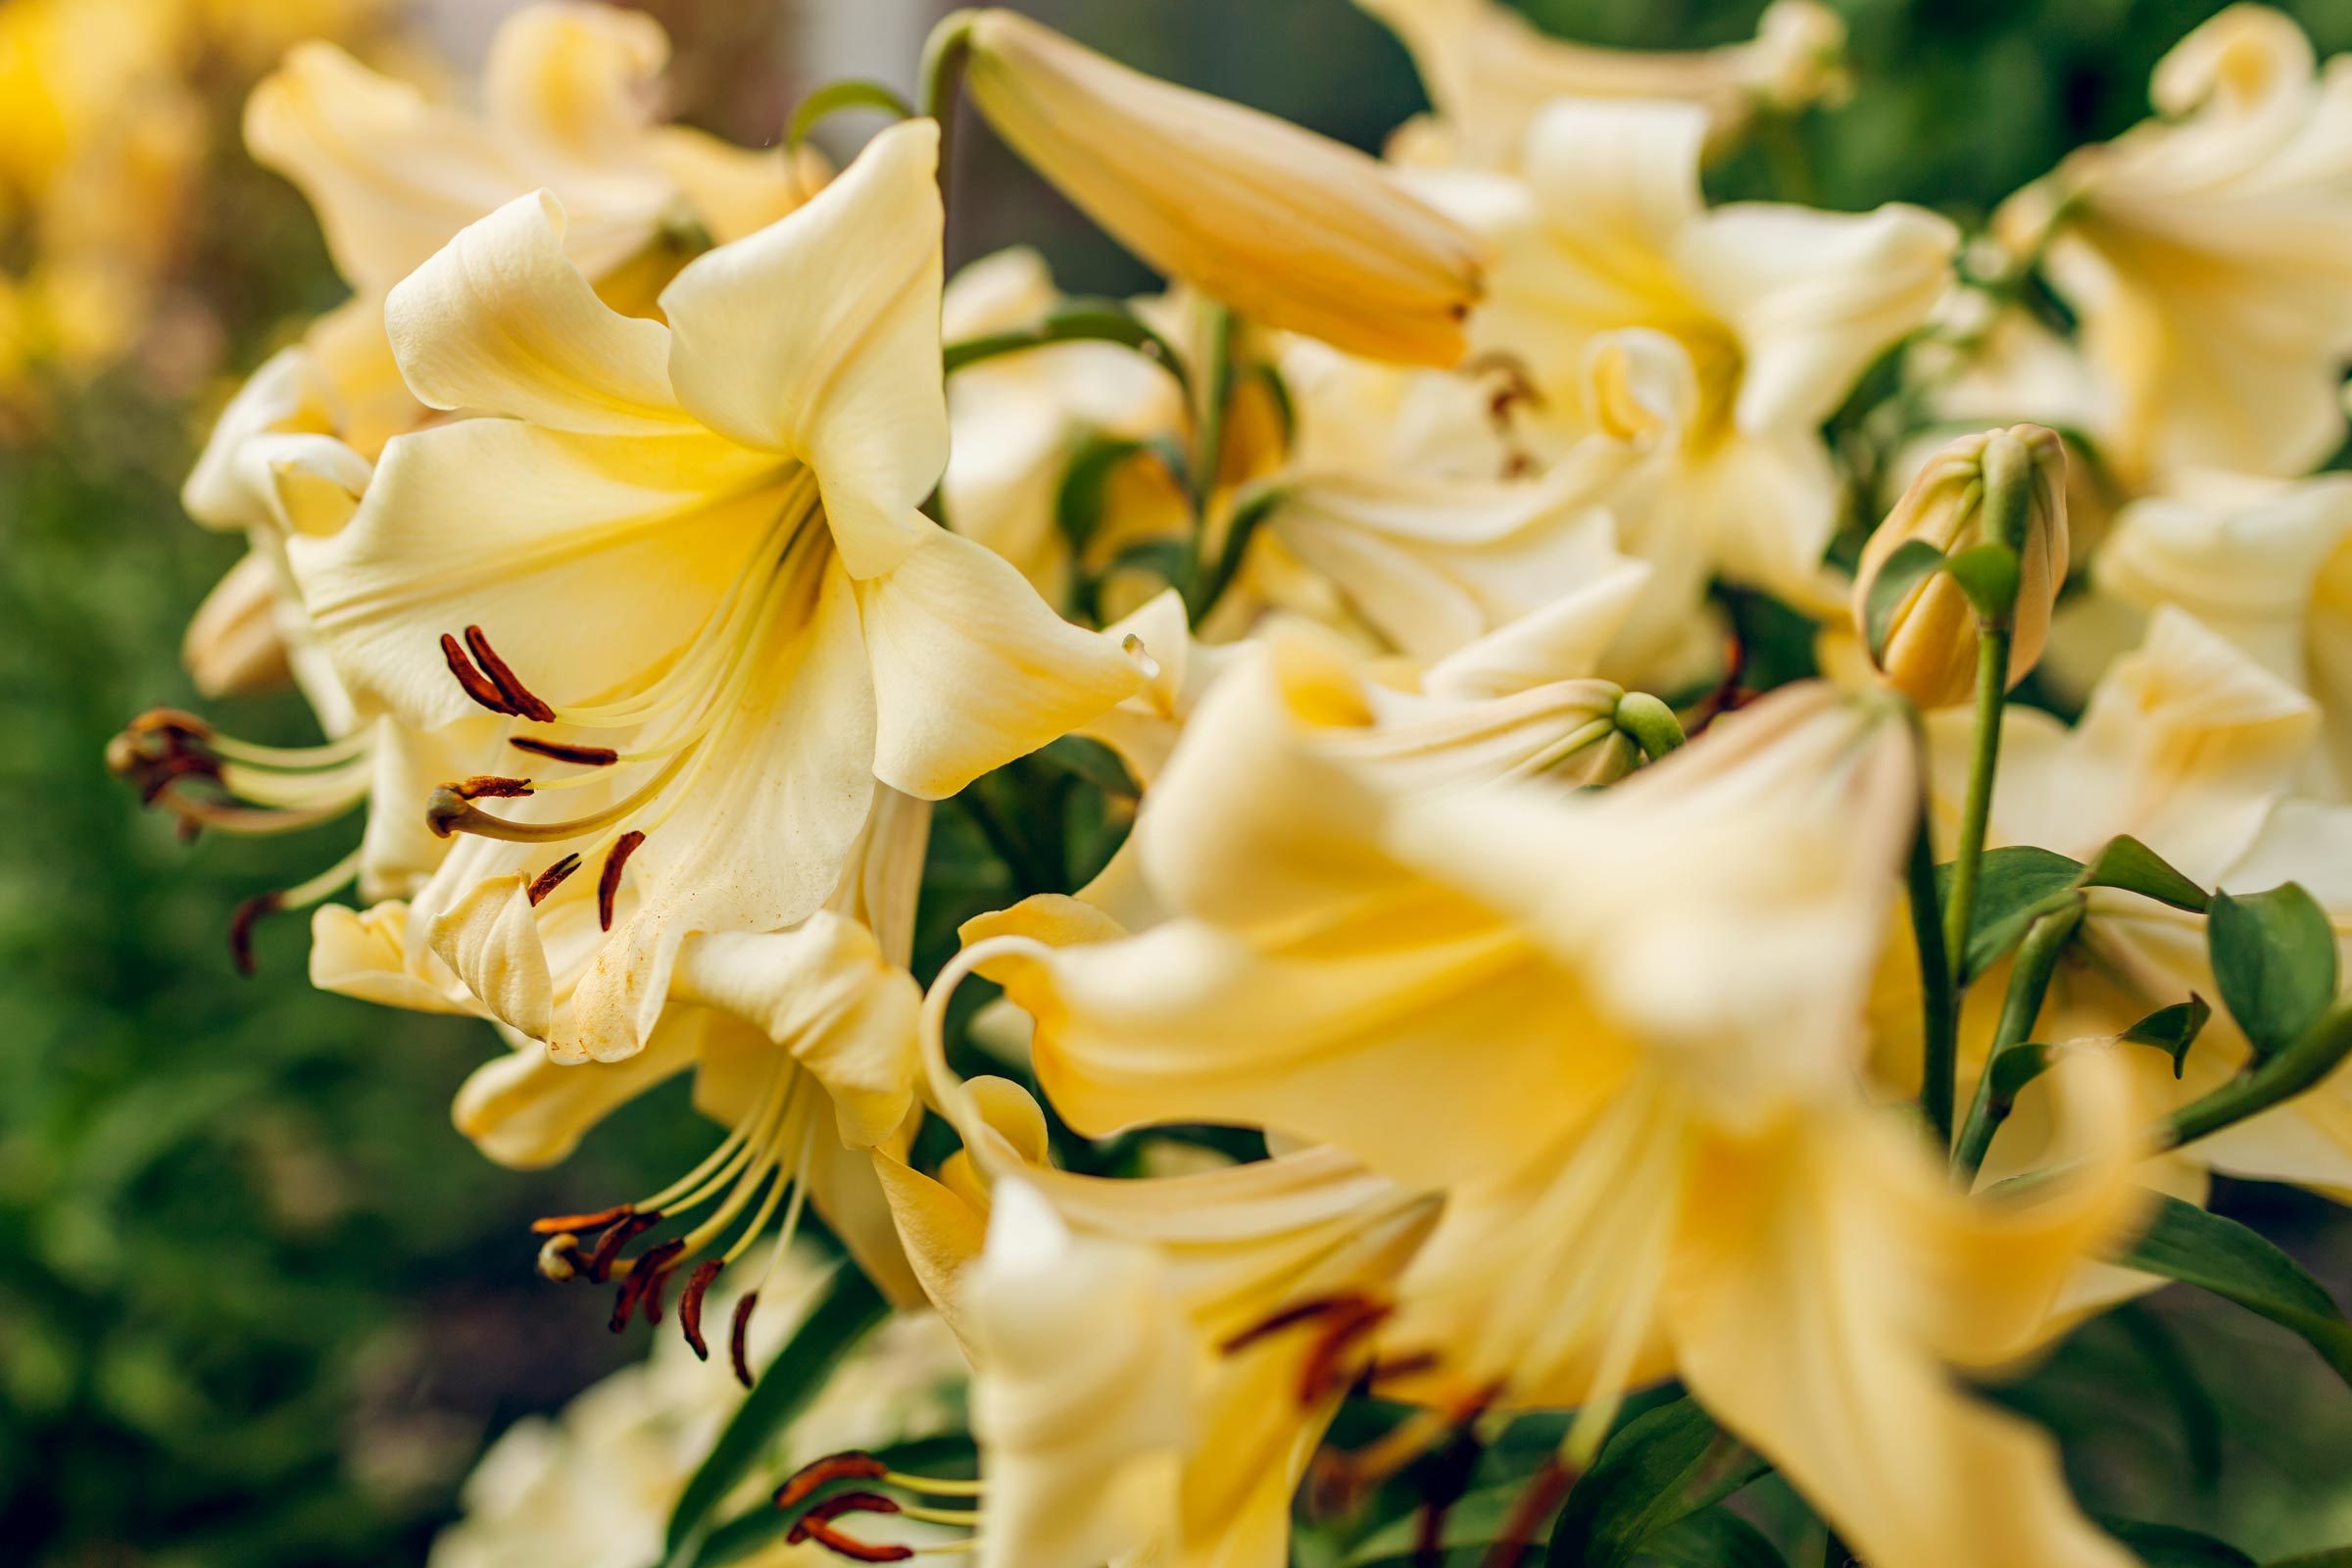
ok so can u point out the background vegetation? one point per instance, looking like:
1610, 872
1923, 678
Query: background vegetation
260, 1305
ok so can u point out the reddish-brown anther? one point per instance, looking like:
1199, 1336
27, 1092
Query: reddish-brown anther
477, 685
607, 882
552, 878
519, 698
739, 1350
656, 1266
491, 786
241, 923
564, 751
609, 1245
817, 1525
690, 1305
852, 1465
553, 1224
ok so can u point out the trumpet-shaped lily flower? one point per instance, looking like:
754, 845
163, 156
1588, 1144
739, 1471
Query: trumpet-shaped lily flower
2209, 254
692, 551
1735, 330
1490, 994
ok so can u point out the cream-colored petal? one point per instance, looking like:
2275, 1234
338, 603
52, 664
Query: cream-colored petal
234, 642
500, 321
1625, 172
398, 849
363, 954
972, 670
1814, 297
588, 560
526, 1111
736, 190
818, 336
574, 80
490, 941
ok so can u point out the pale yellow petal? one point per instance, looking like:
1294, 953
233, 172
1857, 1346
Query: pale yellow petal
490, 941
574, 80
525, 1110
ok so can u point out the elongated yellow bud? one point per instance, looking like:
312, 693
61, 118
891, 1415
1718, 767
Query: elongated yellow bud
1999, 487
1286, 226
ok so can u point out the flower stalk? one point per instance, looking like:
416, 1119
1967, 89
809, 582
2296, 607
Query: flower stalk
2029, 985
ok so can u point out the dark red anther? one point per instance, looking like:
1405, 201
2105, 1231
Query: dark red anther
656, 1266
608, 881
739, 1349
491, 786
563, 752
817, 1525
1326, 1373
1299, 1312
241, 923
502, 676
477, 685
555, 1224
552, 878
852, 1465
1544, 1491
690, 1305
608, 1246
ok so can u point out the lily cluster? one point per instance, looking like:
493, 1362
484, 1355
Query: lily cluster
1510, 994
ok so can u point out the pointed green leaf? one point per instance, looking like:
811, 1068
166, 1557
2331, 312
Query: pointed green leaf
2336, 1557
1636, 1487
2175, 1376
1989, 574
2132, 865
835, 97
1914, 561
2015, 1067
2015, 885
842, 1315
2169, 1547
1471, 1526
1715, 1539
2185, 1243
2274, 956
2173, 1030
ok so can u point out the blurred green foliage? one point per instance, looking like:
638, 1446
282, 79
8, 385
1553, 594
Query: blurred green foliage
260, 1305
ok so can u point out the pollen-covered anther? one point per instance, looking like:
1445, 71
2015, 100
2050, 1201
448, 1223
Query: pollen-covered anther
607, 882
564, 751
519, 698
491, 786
619, 1234
641, 1287
553, 1224
690, 1305
552, 878
817, 1525
849, 1466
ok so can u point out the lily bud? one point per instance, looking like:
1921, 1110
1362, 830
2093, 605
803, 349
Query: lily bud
1288, 227
1959, 501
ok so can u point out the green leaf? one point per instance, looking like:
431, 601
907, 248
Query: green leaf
835, 97
1989, 574
1092, 762
1473, 1523
1715, 1539
849, 1307
1914, 561
1635, 1488
2235, 1263
2014, 886
2173, 1030
2015, 1067
2274, 956
1074, 321
2337, 1557
2169, 1547
2132, 865
2177, 1376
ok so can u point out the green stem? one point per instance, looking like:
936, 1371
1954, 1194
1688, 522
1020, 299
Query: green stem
940, 82
1992, 686
2312, 1057
1940, 1008
2029, 985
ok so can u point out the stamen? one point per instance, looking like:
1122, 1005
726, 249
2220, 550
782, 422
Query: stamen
817, 1525
489, 785
1544, 1491
607, 882
1344, 1322
581, 1222
564, 751
241, 921
936, 1486
552, 878
643, 1283
739, 1338
503, 676
446, 812
556, 1257
477, 686
851, 1465
690, 1305
609, 1245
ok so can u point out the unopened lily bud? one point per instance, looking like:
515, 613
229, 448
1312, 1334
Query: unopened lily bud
2000, 487
1286, 226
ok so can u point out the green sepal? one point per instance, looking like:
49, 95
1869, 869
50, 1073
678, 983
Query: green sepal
1636, 1485
1075, 320
2126, 863
2173, 1030
2170, 1547
2187, 1244
835, 97
2274, 958
850, 1306
1913, 562
1989, 574
1714, 1539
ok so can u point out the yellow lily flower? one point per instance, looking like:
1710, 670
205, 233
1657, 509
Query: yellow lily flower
1721, 337
1488, 72
1641, 1175
2206, 253
693, 550
2267, 566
